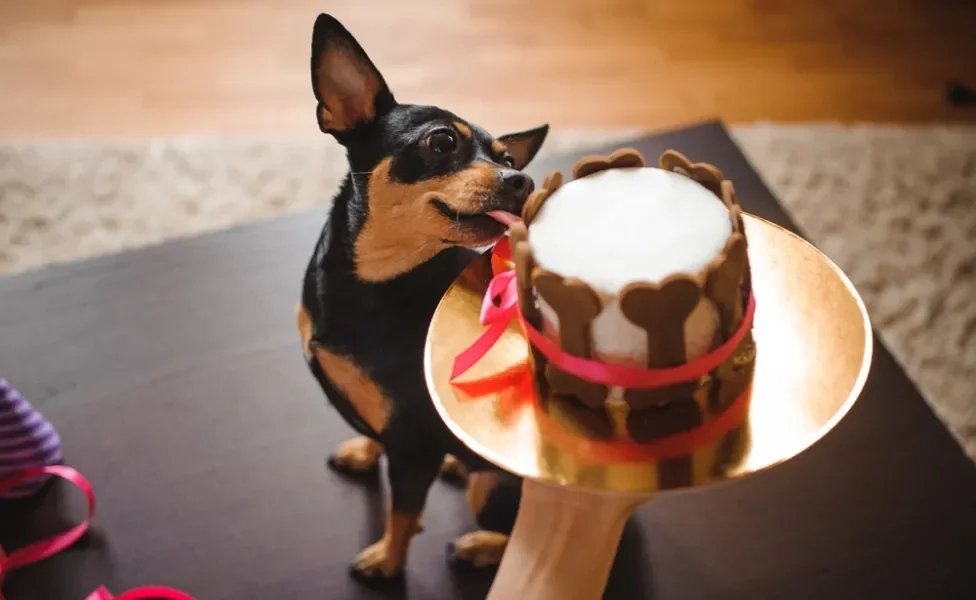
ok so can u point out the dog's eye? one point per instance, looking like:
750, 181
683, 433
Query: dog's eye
509, 160
442, 142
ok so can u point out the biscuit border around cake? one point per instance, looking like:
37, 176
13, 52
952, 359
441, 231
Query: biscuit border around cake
659, 308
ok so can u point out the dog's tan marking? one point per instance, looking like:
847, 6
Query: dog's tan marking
360, 391
359, 454
404, 230
481, 548
463, 129
453, 468
363, 393
386, 557
480, 485
304, 329
497, 147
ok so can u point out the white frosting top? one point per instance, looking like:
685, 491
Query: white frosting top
619, 226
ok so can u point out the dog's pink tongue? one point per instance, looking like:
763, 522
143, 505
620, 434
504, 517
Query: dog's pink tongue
504, 217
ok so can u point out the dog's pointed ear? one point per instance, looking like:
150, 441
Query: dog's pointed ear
525, 144
349, 88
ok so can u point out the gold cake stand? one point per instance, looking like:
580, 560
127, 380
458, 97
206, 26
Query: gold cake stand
813, 342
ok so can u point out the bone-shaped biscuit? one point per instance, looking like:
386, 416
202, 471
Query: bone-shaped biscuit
732, 377
728, 194
738, 225
553, 181
732, 203
704, 173
661, 311
620, 159
534, 204
723, 283
536, 199
640, 398
590, 423
593, 395
658, 422
655, 423
524, 266
518, 232
576, 305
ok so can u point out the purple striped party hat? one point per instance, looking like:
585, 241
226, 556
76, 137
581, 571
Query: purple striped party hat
27, 439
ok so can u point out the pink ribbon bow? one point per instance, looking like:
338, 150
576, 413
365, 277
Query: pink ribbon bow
495, 317
46, 548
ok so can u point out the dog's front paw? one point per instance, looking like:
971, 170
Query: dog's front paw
377, 562
479, 549
357, 456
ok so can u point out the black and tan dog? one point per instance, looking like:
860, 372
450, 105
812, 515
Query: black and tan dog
401, 229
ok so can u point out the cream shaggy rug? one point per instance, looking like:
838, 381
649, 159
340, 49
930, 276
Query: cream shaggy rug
895, 207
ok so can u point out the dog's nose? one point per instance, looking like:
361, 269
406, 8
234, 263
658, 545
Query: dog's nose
518, 182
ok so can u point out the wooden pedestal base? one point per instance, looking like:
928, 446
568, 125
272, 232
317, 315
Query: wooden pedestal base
576, 499
563, 544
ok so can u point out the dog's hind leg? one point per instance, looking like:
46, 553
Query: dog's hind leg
493, 499
411, 474
357, 456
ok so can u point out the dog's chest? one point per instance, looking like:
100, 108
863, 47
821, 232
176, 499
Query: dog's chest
368, 339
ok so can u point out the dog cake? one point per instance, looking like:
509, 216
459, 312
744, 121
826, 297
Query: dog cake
639, 267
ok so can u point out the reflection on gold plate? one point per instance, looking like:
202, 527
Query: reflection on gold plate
813, 351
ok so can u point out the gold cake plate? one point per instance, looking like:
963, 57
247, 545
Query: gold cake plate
813, 352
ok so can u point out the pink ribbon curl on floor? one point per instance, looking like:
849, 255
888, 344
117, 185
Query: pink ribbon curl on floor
48, 547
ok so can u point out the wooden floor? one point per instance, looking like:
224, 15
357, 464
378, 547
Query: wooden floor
155, 67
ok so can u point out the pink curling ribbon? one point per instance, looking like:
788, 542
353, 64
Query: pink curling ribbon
46, 548
153, 592
500, 307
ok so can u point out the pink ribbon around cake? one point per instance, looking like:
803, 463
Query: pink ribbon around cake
500, 307
46, 548
514, 387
